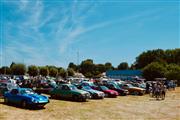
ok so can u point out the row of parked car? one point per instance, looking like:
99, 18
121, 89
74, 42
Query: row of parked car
26, 97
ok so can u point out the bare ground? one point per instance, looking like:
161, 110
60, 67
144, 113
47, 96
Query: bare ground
121, 108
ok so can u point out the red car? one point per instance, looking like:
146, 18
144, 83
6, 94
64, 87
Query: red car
108, 92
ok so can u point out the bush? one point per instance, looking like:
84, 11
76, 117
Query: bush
154, 70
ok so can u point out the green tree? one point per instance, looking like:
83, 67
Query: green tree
87, 67
158, 55
123, 66
53, 72
33, 70
13, 63
70, 72
154, 70
173, 72
5, 70
148, 57
73, 66
100, 67
108, 66
18, 69
62, 72
44, 71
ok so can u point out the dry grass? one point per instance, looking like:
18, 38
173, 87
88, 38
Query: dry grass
121, 108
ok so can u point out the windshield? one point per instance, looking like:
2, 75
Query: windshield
72, 87
116, 86
129, 85
104, 88
27, 91
87, 87
91, 84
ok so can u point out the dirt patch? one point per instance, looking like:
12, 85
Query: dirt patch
121, 108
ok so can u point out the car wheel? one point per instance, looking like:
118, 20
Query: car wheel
136, 93
75, 98
6, 101
106, 95
24, 104
53, 96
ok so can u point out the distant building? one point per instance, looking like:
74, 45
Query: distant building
124, 74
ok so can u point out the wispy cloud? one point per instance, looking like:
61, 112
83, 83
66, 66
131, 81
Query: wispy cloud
43, 30
75, 33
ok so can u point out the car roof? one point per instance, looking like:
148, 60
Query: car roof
66, 84
22, 88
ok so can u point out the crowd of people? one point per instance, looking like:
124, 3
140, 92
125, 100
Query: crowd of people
158, 89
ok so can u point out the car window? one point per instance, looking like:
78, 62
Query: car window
111, 86
27, 91
72, 87
87, 87
104, 88
64, 87
85, 84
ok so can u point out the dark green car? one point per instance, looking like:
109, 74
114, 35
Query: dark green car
69, 91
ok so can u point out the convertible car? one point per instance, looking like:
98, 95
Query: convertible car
25, 97
69, 91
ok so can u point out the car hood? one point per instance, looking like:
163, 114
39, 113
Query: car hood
137, 88
109, 90
37, 97
80, 91
93, 91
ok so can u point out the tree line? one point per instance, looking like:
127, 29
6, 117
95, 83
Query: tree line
160, 64
154, 63
32, 70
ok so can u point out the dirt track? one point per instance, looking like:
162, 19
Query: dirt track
121, 108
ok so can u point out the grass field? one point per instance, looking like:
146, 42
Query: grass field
121, 108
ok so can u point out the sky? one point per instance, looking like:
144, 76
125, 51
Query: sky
56, 32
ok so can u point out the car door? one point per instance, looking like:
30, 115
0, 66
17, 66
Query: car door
14, 96
111, 86
66, 92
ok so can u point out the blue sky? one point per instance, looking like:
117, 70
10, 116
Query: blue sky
51, 32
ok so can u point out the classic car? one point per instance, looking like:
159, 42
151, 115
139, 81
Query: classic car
25, 97
45, 86
90, 84
69, 91
3, 89
94, 93
5, 86
108, 92
133, 90
115, 87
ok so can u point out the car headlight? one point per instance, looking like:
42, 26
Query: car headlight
112, 92
33, 100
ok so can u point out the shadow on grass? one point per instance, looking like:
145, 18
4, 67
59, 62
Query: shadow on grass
69, 100
18, 106
154, 99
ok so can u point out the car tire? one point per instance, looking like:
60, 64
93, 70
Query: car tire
6, 101
24, 104
136, 93
75, 98
106, 95
53, 96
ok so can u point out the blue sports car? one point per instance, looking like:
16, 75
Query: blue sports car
25, 97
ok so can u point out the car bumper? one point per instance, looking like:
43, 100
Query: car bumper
98, 96
38, 104
112, 95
